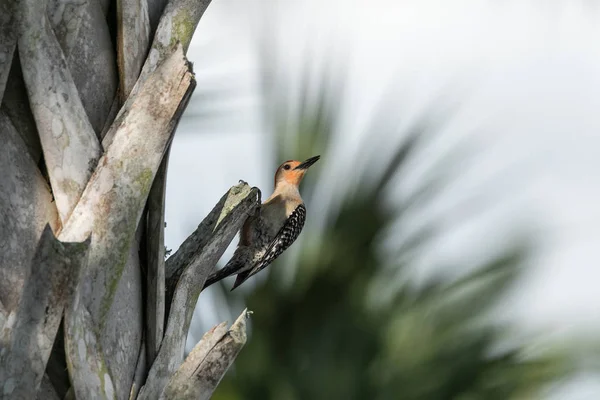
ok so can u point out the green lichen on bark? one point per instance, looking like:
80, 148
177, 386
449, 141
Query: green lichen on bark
82, 336
114, 279
182, 29
236, 195
144, 180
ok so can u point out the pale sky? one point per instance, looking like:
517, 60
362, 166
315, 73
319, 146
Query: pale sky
527, 77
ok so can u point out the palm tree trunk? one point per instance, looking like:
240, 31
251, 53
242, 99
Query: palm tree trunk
92, 92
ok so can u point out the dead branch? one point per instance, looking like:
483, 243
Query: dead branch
189, 267
205, 366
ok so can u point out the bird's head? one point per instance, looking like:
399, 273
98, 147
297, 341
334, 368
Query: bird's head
291, 172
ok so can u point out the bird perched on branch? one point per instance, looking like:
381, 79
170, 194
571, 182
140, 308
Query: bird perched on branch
276, 226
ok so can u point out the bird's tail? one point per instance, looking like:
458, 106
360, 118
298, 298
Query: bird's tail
231, 268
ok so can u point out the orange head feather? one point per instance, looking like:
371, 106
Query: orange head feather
292, 171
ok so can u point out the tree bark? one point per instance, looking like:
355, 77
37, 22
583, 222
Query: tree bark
84, 37
26, 208
200, 374
133, 38
8, 41
113, 202
71, 148
190, 267
29, 332
89, 165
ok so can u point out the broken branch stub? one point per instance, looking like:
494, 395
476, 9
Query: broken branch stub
177, 25
199, 352
30, 330
188, 268
205, 366
192, 248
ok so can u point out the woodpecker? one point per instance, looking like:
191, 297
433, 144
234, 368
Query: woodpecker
276, 225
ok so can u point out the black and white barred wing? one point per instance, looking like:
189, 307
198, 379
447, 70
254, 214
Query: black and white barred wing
288, 233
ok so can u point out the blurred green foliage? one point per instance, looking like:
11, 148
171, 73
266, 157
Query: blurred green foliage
351, 326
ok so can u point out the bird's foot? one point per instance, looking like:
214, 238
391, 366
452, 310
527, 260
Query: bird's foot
258, 194
258, 202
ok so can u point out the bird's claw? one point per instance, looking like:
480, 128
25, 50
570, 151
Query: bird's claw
258, 194
258, 202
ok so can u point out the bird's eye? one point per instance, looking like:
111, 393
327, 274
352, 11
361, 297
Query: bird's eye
286, 166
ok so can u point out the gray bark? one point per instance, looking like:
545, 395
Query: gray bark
112, 205
3, 315
104, 5
190, 249
8, 41
25, 208
59, 98
205, 366
155, 278
189, 267
133, 39
83, 34
155, 266
155, 10
46, 390
177, 25
15, 105
29, 332
88, 371
140, 372
125, 321
70, 146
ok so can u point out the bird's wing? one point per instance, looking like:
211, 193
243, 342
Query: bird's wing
288, 233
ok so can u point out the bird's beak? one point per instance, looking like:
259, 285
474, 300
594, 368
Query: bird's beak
308, 162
